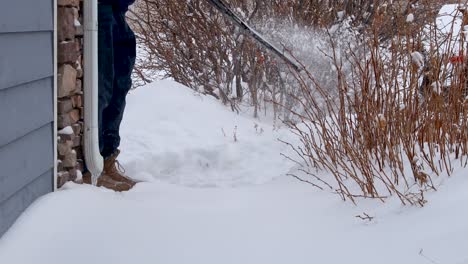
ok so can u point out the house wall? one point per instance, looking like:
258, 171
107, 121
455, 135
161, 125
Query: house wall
70, 91
26, 105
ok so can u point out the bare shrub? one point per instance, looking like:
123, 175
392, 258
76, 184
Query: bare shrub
380, 94
192, 43
397, 107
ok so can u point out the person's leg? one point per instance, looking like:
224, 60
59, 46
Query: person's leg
106, 23
124, 44
106, 75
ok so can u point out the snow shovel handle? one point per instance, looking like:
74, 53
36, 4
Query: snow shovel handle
227, 12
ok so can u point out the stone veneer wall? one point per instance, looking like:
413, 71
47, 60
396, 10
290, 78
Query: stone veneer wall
70, 91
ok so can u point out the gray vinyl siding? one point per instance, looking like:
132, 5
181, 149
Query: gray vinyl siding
26, 16
26, 106
14, 206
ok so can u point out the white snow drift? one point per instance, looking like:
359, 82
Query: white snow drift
179, 143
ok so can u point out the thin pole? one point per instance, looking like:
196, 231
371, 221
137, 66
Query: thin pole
228, 13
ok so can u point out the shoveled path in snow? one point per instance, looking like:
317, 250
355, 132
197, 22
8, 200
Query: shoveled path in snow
210, 199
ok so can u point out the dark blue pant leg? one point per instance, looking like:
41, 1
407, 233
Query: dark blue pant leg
124, 48
105, 64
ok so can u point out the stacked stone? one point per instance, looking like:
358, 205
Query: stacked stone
70, 90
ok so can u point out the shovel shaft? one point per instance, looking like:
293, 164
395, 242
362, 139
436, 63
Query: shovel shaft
228, 13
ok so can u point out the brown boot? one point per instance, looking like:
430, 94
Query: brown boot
106, 182
113, 171
112, 177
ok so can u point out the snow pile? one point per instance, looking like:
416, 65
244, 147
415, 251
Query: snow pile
447, 32
175, 135
173, 139
417, 59
66, 131
410, 18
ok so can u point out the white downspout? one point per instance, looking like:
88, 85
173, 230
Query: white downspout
93, 158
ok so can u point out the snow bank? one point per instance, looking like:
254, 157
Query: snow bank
175, 135
448, 26
281, 222
169, 137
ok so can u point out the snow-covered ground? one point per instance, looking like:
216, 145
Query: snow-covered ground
215, 191
173, 135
